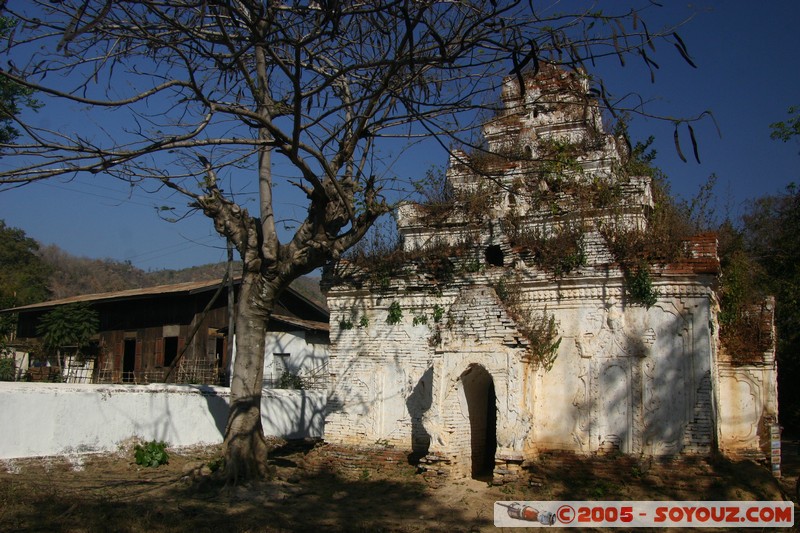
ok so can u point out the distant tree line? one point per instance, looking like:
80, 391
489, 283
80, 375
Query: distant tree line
32, 273
72, 275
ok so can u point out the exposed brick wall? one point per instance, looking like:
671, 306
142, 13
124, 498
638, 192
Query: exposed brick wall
698, 435
701, 257
355, 461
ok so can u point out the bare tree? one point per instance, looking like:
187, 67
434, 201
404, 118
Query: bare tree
191, 94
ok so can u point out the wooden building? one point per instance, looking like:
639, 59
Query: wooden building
143, 331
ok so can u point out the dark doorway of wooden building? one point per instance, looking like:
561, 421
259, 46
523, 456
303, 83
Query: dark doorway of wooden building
481, 402
219, 352
129, 361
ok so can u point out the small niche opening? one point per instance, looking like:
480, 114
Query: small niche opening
494, 255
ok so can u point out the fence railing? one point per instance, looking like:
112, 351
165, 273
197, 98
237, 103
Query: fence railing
187, 372
195, 375
310, 379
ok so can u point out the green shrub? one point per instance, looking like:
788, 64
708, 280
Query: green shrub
7, 369
639, 287
289, 380
68, 325
216, 464
151, 453
395, 314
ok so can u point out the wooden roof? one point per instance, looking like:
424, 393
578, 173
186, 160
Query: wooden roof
186, 288
191, 287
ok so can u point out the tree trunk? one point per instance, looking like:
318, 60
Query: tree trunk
244, 447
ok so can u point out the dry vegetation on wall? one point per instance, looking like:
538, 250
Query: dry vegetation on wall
556, 189
552, 182
744, 318
379, 268
661, 241
439, 200
559, 253
539, 329
747, 335
670, 223
380, 258
380, 263
493, 164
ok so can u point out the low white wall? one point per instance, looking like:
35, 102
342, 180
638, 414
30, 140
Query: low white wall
39, 419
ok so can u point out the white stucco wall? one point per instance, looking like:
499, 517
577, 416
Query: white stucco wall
21, 363
625, 376
633, 377
40, 419
303, 357
307, 355
76, 370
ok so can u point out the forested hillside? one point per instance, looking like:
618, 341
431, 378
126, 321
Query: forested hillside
72, 275
31, 273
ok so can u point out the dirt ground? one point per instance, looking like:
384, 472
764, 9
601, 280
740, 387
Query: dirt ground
111, 493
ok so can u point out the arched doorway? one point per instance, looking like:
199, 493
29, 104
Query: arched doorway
481, 404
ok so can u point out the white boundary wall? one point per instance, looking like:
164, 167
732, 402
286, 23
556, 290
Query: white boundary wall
39, 419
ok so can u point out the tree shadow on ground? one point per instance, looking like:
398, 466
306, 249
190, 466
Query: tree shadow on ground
565, 476
316, 490
108, 495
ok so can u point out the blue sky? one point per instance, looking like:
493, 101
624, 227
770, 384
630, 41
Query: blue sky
747, 76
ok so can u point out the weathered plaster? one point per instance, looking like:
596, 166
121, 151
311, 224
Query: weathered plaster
626, 378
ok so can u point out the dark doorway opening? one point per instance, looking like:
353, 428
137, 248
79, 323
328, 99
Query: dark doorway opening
481, 402
494, 255
219, 352
129, 361
170, 350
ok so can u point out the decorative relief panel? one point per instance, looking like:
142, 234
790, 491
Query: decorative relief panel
740, 408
